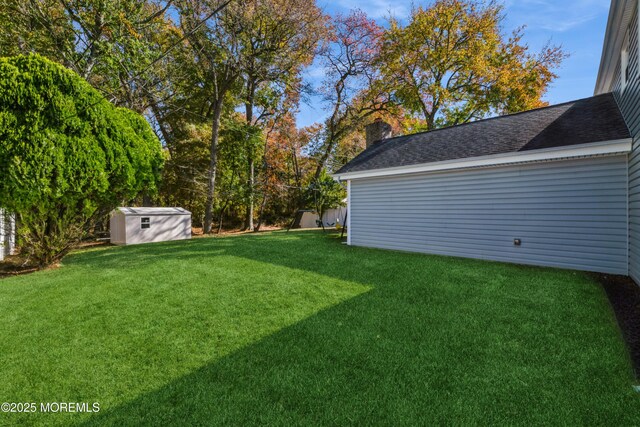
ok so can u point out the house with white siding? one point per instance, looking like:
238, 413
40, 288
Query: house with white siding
556, 186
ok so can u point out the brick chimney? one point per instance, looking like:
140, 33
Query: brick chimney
376, 131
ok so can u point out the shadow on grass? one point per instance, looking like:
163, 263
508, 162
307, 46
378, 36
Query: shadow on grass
435, 340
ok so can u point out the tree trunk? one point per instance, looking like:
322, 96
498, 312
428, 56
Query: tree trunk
248, 225
224, 208
3, 238
261, 213
250, 184
323, 159
297, 176
213, 162
220, 222
331, 141
160, 121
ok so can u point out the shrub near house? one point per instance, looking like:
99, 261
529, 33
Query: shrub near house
66, 154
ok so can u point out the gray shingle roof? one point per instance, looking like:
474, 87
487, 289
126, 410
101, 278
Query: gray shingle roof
583, 121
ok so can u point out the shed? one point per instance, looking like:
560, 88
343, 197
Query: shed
305, 219
130, 225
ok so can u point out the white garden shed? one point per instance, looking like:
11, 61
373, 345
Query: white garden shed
130, 226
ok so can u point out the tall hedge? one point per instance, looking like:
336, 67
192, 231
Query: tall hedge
66, 154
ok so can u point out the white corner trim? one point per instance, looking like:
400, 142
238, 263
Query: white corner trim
348, 212
620, 146
620, 14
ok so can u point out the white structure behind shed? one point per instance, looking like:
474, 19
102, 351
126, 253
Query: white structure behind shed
331, 218
130, 226
7, 233
309, 220
335, 217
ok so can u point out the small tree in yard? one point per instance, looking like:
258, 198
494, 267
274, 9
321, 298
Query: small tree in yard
325, 193
66, 154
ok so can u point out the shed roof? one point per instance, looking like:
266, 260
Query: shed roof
146, 211
588, 120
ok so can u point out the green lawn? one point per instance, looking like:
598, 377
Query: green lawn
296, 328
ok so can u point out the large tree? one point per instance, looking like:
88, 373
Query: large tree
281, 39
451, 64
66, 154
252, 53
214, 29
349, 88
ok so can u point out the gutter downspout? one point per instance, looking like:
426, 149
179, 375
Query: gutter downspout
349, 213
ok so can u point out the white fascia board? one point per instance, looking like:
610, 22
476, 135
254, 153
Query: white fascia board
617, 23
620, 146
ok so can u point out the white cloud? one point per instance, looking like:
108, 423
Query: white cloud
549, 15
314, 72
554, 15
376, 9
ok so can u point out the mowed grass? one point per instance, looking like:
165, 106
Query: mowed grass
298, 329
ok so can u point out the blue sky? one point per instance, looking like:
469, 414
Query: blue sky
577, 25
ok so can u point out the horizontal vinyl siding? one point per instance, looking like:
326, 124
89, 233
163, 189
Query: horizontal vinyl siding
570, 214
629, 103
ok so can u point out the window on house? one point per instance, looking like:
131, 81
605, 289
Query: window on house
145, 222
624, 63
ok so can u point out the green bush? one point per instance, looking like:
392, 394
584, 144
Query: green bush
66, 154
